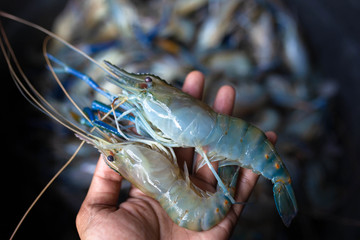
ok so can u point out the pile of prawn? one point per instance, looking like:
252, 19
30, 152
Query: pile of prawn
117, 102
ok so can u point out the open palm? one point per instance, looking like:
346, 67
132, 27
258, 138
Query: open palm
141, 217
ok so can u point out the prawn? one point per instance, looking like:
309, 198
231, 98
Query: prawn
176, 119
154, 170
172, 118
145, 163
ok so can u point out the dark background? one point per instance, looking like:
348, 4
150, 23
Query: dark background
28, 156
332, 34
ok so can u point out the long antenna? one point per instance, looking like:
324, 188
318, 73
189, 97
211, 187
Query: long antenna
10, 55
45, 188
53, 35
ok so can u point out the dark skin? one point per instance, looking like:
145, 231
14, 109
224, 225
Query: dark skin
141, 217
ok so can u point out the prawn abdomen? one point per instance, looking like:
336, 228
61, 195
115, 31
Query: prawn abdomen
195, 209
237, 142
192, 211
247, 146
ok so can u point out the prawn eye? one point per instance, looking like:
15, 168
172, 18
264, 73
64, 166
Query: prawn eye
148, 79
110, 158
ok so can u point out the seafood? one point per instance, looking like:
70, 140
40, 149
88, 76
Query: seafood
147, 164
175, 119
268, 36
156, 173
215, 27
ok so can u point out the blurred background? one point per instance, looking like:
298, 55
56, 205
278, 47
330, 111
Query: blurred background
294, 65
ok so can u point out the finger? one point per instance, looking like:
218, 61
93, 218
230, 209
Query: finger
193, 85
105, 186
224, 103
102, 195
245, 184
271, 136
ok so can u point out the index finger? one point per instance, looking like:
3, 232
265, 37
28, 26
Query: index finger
194, 84
105, 186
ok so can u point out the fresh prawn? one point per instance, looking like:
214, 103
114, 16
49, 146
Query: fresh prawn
187, 122
172, 118
175, 119
147, 164
156, 173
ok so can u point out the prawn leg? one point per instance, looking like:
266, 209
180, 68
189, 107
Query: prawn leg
104, 108
96, 104
120, 114
98, 123
220, 182
66, 69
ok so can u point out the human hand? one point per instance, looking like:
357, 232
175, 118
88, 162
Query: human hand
141, 217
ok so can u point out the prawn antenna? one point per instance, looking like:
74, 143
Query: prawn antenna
46, 188
53, 35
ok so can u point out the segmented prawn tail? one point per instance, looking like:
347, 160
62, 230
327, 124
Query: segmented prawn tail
285, 201
192, 208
